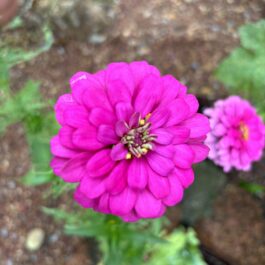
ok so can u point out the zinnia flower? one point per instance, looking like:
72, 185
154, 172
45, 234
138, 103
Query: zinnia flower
237, 136
129, 137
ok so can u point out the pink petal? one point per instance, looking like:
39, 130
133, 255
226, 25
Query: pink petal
180, 134
83, 200
118, 92
138, 173
99, 116
147, 206
65, 101
65, 135
118, 152
75, 168
57, 164
100, 164
123, 111
160, 164
170, 88
176, 191
86, 138
117, 179
179, 111
185, 176
159, 186
159, 118
121, 128
198, 125
193, 104
107, 135
58, 149
184, 156
123, 203
165, 150
201, 152
134, 120
92, 188
162, 136
130, 217
76, 116
103, 205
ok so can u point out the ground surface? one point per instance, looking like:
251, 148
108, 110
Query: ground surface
184, 38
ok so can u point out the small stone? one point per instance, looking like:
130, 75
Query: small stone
35, 239
97, 39
4, 232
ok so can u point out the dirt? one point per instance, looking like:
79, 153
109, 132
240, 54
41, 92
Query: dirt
184, 38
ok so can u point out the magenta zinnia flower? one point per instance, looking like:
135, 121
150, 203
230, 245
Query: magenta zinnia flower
129, 138
237, 136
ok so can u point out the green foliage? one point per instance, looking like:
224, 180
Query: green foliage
243, 71
182, 248
255, 189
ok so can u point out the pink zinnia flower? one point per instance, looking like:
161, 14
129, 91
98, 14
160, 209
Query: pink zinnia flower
237, 136
129, 138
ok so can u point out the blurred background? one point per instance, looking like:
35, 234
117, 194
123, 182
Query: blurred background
185, 38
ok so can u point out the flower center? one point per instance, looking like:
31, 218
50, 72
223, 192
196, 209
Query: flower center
244, 131
138, 140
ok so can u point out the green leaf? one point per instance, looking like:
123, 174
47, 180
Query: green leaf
255, 189
34, 178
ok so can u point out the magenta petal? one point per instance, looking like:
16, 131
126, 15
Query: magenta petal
159, 186
92, 188
58, 149
107, 135
179, 111
180, 134
134, 120
65, 101
184, 156
130, 217
176, 191
86, 138
118, 92
138, 173
83, 200
118, 152
123, 203
198, 125
123, 111
99, 116
121, 128
76, 116
65, 135
160, 164
185, 176
57, 164
201, 152
117, 179
165, 150
75, 168
162, 136
147, 206
170, 88
103, 205
159, 118
193, 104
100, 164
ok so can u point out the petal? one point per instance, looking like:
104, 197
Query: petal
86, 138
123, 111
138, 173
170, 88
58, 149
159, 186
165, 150
103, 205
83, 200
117, 179
160, 164
162, 136
193, 104
184, 156
185, 176
92, 188
149, 95
100, 164
180, 134
130, 217
147, 206
75, 168
121, 128
123, 202
201, 152
134, 120
159, 118
198, 125
65, 135
118, 152
107, 135
76, 116
57, 164
100, 116
118, 92
65, 101
179, 111
176, 191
